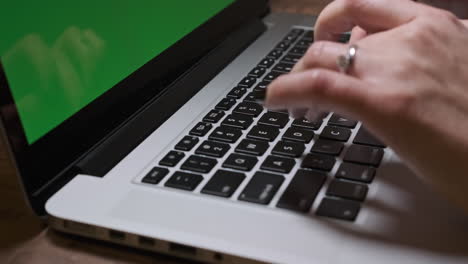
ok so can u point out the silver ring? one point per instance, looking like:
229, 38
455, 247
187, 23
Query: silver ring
344, 62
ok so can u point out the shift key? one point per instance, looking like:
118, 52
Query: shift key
302, 191
261, 188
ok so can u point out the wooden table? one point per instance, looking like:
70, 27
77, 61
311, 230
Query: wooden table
24, 239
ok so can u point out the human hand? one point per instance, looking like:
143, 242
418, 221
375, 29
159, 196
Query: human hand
408, 83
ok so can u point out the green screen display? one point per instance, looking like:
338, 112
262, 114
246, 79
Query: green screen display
59, 56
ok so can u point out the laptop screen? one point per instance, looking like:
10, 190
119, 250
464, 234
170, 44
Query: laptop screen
76, 74
61, 58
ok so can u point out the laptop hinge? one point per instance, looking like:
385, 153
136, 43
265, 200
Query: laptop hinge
104, 157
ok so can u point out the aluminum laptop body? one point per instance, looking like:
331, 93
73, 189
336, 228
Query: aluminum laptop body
93, 173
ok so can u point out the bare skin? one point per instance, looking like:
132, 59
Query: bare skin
408, 83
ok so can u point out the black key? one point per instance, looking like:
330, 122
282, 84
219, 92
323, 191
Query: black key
284, 111
237, 92
291, 37
275, 54
213, 116
309, 35
364, 137
298, 134
172, 158
226, 104
252, 147
240, 162
225, 134
223, 183
262, 86
298, 51
187, 143
364, 155
248, 81
297, 31
344, 38
260, 132
199, 164
336, 133
318, 162
305, 43
306, 124
274, 119
347, 190
301, 192
356, 172
261, 188
257, 72
283, 45
328, 147
155, 175
238, 121
201, 129
272, 76
337, 120
288, 149
267, 63
249, 108
213, 149
291, 58
283, 67
184, 181
256, 96
340, 209
278, 164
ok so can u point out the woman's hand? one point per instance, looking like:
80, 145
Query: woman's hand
408, 83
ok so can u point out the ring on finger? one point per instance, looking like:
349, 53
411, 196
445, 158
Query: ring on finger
345, 61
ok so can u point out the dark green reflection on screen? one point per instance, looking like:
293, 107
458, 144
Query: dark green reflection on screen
61, 55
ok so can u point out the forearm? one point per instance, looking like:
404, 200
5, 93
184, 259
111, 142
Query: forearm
459, 7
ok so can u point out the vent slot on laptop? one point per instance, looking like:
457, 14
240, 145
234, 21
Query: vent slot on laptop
79, 228
218, 256
116, 235
146, 241
182, 249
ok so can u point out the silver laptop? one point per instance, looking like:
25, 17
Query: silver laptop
138, 123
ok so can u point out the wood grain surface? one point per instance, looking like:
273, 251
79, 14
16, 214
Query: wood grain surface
25, 239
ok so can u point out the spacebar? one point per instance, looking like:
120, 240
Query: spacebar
302, 191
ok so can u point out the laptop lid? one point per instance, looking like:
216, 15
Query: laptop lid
73, 72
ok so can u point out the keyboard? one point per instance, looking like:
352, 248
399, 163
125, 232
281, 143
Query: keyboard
241, 151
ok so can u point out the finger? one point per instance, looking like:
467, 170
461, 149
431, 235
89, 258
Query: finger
321, 54
357, 34
371, 15
299, 66
331, 90
465, 22
314, 115
324, 54
297, 113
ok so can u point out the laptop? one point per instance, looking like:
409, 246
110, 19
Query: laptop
138, 123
